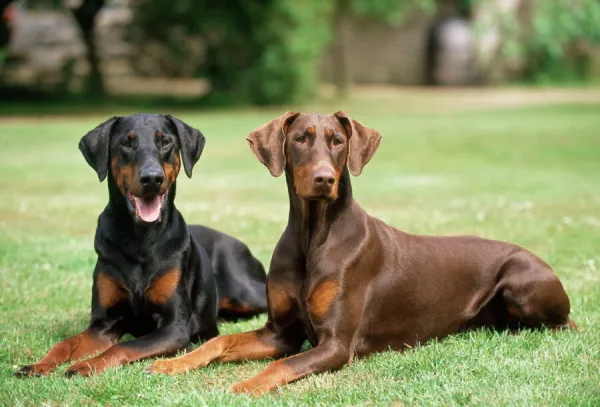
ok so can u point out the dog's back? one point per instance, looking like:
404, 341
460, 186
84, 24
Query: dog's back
241, 278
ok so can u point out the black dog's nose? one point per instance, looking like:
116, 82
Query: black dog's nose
324, 177
151, 177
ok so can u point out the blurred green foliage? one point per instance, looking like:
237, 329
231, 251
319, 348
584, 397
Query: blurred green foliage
558, 43
255, 51
391, 11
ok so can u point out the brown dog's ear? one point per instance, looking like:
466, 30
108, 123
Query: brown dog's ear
268, 142
191, 143
95, 147
364, 142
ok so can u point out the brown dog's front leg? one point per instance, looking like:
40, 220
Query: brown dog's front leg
254, 345
85, 344
326, 356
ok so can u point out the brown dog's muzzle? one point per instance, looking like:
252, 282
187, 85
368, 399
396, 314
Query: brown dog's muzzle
318, 181
324, 179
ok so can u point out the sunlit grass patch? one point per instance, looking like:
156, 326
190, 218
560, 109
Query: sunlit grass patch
529, 175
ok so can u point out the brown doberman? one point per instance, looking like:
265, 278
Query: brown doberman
353, 285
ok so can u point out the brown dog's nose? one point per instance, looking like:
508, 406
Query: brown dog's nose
324, 176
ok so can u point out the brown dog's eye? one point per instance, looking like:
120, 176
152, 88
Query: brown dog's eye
165, 142
301, 139
336, 141
126, 143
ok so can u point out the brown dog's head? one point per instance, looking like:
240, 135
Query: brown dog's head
142, 152
315, 150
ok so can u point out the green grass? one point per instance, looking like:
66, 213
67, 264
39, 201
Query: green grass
530, 175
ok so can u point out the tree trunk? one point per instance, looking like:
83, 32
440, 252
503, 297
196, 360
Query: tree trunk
4, 4
4, 27
85, 15
341, 70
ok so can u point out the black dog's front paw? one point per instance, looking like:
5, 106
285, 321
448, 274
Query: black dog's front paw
35, 370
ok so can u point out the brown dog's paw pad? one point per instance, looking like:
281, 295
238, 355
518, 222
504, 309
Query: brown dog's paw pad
37, 370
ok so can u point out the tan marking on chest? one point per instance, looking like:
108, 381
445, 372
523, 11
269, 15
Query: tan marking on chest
322, 298
162, 288
109, 291
281, 298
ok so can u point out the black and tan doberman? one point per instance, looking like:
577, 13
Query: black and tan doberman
153, 278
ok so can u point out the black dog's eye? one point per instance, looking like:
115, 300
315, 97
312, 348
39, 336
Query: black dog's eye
165, 142
336, 141
301, 139
126, 143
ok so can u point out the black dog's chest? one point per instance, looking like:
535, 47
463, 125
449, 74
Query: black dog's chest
138, 279
138, 294
138, 313
152, 285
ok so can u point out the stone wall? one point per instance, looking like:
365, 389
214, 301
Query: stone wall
382, 53
47, 50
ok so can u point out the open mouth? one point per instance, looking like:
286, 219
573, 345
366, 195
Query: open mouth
147, 208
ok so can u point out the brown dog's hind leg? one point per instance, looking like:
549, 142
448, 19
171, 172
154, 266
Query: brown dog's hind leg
534, 296
85, 344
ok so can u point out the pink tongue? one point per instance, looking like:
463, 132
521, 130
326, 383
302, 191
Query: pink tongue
148, 208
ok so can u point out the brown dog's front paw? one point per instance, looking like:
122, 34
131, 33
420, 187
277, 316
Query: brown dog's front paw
83, 368
169, 366
35, 370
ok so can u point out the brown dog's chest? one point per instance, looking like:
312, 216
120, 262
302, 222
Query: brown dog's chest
313, 299
317, 306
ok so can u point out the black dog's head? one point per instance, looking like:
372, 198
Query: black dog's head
141, 154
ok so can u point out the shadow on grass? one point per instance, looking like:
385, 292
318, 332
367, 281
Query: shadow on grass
28, 102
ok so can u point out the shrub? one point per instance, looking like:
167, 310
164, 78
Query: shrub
254, 51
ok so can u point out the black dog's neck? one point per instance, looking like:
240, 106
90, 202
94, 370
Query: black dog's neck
117, 212
312, 219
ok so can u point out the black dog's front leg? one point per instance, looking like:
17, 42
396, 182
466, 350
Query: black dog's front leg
164, 341
99, 336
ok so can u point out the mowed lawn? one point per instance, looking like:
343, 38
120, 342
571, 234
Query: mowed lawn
529, 174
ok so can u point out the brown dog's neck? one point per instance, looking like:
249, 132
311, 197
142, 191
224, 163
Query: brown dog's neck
313, 219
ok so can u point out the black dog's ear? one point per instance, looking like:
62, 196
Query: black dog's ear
95, 146
191, 143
